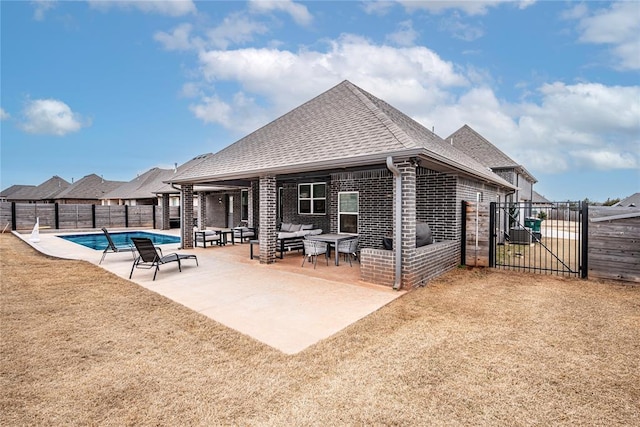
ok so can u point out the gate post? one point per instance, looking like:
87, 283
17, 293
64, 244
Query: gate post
56, 210
584, 270
492, 234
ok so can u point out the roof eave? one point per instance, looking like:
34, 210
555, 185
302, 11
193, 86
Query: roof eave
434, 160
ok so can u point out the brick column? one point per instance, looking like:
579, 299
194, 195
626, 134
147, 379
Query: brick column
408, 175
268, 212
202, 206
165, 212
186, 228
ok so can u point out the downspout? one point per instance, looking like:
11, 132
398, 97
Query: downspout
397, 245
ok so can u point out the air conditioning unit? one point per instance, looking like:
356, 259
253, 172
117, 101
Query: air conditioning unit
520, 236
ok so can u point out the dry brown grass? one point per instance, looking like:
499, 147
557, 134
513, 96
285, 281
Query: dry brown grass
81, 346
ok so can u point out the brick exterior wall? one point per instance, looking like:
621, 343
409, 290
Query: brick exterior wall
268, 209
377, 266
186, 227
216, 208
290, 205
375, 188
436, 203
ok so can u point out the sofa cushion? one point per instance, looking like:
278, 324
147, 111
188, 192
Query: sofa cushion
285, 226
287, 234
306, 227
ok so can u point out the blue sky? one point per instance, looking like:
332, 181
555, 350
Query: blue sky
118, 87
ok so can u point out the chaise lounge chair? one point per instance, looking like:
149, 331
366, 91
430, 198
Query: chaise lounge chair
149, 258
111, 247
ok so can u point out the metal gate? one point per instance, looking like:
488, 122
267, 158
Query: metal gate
549, 238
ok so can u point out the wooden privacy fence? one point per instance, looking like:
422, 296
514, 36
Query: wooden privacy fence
22, 216
614, 243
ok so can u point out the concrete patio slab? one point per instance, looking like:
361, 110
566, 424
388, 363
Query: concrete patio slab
283, 305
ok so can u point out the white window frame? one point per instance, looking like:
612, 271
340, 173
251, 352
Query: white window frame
312, 199
357, 213
242, 197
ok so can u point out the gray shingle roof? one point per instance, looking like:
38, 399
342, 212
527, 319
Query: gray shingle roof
141, 187
166, 188
17, 189
631, 201
484, 151
343, 126
90, 187
539, 198
48, 190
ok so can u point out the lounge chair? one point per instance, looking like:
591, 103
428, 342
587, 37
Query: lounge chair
111, 247
312, 249
149, 258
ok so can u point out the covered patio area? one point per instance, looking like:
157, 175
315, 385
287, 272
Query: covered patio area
283, 305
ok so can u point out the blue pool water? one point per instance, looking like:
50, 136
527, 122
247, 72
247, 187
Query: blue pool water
99, 241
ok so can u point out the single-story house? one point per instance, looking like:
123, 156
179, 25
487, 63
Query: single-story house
348, 162
140, 190
47, 192
88, 190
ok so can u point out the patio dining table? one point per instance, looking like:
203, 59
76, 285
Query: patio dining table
334, 238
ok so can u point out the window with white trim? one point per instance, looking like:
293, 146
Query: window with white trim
244, 205
348, 212
312, 198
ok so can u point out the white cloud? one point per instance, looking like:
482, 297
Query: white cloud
41, 8
585, 125
405, 36
241, 113
476, 7
236, 28
163, 7
179, 38
50, 117
298, 12
405, 76
605, 159
618, 26
461, 29
3, 114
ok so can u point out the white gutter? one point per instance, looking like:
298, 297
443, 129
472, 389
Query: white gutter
397, 241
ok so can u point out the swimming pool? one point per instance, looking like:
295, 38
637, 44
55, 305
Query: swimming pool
99, 241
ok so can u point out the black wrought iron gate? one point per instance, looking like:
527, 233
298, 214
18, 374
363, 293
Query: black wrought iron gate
549, 238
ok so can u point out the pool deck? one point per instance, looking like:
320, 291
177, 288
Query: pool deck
283, 305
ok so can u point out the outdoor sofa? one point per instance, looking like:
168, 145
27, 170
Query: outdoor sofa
291, 237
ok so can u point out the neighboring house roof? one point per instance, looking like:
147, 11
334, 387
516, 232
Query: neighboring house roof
90, 187
539, 199
630, 202
165, 186
343, 127
10, 192
484, 151
48, 190
141, 187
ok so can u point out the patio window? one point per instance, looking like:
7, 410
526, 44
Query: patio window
348, 212
244, 205
312, 198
